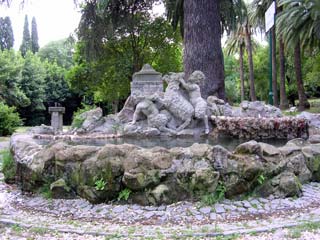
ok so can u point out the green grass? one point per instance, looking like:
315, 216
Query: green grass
17, 228
4, 139
8, 166
22, 129
45, 191
314, 105
297, 231
314, 110
39, 230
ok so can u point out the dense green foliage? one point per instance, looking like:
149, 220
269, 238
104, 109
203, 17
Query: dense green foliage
60, 51
9, 119
6, 33
232, 79
304, 24
311, 70
10, 76
105, 60
34, 36
33, 85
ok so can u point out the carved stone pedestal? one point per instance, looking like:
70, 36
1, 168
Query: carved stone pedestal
57, 118
146, 82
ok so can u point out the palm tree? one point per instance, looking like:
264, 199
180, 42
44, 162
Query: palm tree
202, 23
250, 60
234, 44
240, 38
299, 25
258, 9
284, 104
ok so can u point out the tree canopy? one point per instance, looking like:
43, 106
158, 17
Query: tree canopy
6, 33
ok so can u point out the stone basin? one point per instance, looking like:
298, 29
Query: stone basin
159, 175
161, 141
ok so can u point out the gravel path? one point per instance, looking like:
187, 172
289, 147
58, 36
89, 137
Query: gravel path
34, 217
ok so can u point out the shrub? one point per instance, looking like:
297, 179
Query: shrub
9, 119
8, 166
100, 184
217, 196
124, 194
77, 119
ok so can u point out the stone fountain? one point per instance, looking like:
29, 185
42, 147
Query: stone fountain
158, 175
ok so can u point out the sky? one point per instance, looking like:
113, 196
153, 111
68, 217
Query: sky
56, 19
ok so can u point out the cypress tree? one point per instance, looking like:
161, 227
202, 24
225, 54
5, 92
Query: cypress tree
1, 33
26, 40
6, 33
34, 36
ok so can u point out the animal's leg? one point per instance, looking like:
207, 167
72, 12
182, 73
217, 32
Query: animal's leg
165, 129
184, 125
206, 124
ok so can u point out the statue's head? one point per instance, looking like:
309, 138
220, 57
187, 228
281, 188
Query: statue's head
173, 77
197, 77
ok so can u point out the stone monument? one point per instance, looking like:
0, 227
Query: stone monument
57, 118
146, 81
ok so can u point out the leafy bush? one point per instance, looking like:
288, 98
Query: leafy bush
124, 194
261, 179
215, 197
9, 119
77, 118
8, 166
100, 184
45, 191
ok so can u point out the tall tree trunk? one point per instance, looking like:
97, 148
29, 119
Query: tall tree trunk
250, 60
303, 101
274, 68
241, 73
283, 96
202, 44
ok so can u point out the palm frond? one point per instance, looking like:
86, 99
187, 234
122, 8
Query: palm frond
299, 21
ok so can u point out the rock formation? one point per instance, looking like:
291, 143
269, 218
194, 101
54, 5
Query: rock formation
159, 175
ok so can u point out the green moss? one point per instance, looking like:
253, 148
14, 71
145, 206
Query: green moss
45, 191
316, 164
75, 178
108, 176
298, 183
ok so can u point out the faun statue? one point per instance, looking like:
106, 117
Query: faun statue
199, 104
175, 102
155, 118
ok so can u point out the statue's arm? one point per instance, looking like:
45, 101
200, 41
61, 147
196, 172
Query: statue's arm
136, 114
188, 87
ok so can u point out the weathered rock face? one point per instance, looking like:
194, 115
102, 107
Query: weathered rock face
261, 128
313, 118
256, 109
158, 175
